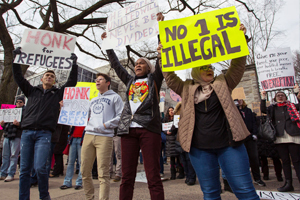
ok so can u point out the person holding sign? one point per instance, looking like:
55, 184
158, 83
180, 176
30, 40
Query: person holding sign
40, 119
140, 124
212, 130
11, 145
104, 115
285, 117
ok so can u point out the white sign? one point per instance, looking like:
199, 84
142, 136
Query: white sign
277, 195
9, 115
46, 48
134, 23
167, 126
75, 106
176, 120
275, 69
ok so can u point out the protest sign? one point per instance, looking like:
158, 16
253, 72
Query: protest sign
7, 106
134, 23
176, 120
256, 107
201, 39
162, 95
46, 48
93, 89
238, 93
277, 195
167, 126
174, 96
275, 69
75, 106
9, 115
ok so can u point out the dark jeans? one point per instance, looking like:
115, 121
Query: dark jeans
58, 168
35, 147
287, 151
252, 152
150, 144
161, 159
188, 167
265, 167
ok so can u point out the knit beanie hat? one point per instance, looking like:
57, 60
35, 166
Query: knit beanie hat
152, 68
21, 98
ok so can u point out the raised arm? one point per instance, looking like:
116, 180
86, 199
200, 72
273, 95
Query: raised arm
263, 106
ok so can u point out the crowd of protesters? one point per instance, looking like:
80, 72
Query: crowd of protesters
215, 133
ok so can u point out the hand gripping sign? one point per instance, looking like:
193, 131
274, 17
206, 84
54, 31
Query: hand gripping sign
201, 39
46, 48
134, 23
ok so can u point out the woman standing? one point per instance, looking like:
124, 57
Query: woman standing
286, 120
212, 130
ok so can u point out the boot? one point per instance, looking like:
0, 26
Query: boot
287, 187
173, 173
181, 172
227, 186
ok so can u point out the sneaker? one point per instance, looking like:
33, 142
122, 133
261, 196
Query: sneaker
63, 187
161, 175
78, 187
9, 178
260, 183
117, 178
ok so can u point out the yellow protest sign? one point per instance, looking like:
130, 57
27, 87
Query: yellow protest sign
201, 39
93, 90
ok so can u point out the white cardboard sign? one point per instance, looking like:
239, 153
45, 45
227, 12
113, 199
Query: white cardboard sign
75, 106
176, 120
277, 195
167, 126
134, 23
46, 48
9, 115
275, 69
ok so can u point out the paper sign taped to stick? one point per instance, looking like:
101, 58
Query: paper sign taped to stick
46, 48
176, 120
238, 93
201, 39
167, 126
93, 89
134, 23
275, 69
9, 115
75, 106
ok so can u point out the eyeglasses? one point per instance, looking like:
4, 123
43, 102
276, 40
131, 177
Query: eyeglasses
19, 101
99, 79
280, 95
207, 67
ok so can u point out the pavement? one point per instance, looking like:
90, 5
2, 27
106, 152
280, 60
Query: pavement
174, 189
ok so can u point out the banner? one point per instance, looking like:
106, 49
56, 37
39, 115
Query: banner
134, 23
9, 115
7, 106
46, 48
174, 96
202, 39
76, 106
275, 69
93, 89
167, 126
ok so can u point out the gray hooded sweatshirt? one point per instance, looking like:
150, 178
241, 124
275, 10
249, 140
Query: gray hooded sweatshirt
104, 109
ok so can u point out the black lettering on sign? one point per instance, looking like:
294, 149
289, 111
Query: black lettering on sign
193, 50
166, 51
176, 33
227, 17
181, 36
203, 27
228, 47
175, 57
216, 43
170, 33
184, 59
21, 57
205, 56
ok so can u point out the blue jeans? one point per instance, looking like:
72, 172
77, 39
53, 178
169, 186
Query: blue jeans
188, 167
233, 161
35, 147
10, 153
74, 152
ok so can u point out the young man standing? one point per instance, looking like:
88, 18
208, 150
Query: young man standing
104, 115
39, 122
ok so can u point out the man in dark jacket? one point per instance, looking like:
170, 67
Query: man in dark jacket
40, 119
11, 145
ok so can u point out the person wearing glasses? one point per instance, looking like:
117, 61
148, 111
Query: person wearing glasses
212, 130
39, 122
286, 120
104, 115
11, 145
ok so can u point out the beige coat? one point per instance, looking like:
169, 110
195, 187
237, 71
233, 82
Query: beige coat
223, 86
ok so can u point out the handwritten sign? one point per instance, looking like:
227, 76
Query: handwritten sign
275, 69
134, 23
46, 48
201, 39
176, 120
75, 107
277, 195
167, 126
93, 89
238, 93
174, 96
9, 115
7, 106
